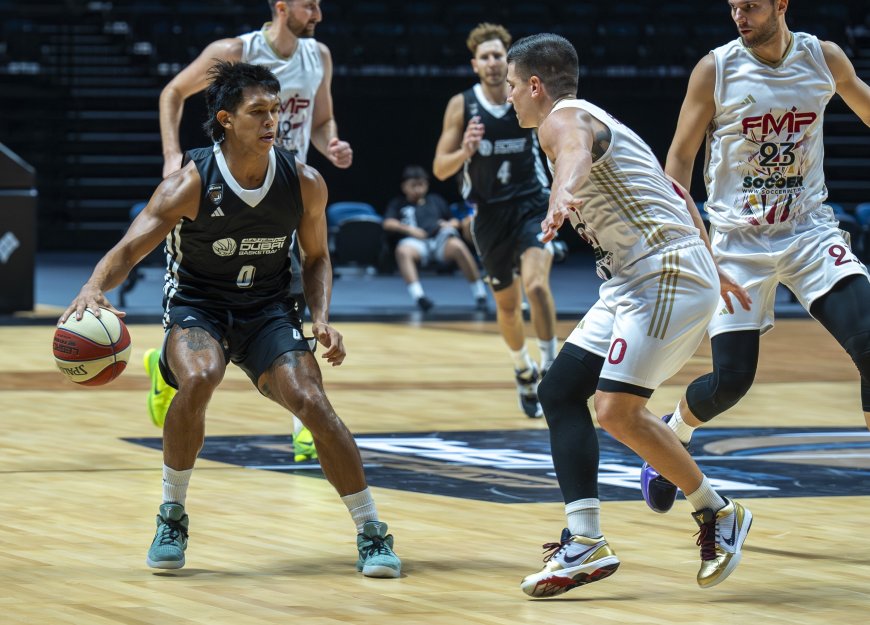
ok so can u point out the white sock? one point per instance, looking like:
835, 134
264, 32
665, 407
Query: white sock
521, 359
584, 517
478, 289
548, 351
415, 290
682, 429
297, 425
175, 485
705, 497
361, 507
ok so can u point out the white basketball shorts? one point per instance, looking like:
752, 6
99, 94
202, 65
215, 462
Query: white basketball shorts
651, 316
808, 255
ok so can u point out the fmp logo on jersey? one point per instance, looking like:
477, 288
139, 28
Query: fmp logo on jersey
515, 466
224, 247
790, 121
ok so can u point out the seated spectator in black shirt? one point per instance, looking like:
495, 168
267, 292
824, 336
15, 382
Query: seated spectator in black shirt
429, 234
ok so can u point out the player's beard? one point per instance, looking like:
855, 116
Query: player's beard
763, 34
300, 29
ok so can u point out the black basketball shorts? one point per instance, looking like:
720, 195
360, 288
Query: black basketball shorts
253, 340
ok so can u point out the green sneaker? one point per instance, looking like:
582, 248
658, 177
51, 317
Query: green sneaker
170, 541
303, 446
160, 395
376, 557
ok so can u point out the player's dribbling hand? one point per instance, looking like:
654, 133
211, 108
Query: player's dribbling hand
728, 287
332, 340
89, 297
473, 135
339, 153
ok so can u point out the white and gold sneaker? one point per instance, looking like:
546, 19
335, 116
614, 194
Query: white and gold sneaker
573, 561
721, 537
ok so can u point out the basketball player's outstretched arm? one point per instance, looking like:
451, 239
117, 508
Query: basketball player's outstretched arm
175, 198
192, 79
566, 137
316, 266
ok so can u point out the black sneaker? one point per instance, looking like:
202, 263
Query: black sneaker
424, 303
527, 389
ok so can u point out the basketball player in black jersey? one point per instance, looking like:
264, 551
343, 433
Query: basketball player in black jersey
228, 216
501, 173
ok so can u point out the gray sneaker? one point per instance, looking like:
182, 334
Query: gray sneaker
170, 541
376, 557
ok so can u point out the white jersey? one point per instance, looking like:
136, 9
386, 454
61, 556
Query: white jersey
630, 208
764, 146
299, 76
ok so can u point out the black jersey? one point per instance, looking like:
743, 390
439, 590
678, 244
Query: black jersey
234, 254
507, 165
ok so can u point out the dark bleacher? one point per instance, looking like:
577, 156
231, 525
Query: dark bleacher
80, 82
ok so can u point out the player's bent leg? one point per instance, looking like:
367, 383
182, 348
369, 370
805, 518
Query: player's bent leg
294, 381
624, 415
735, 360
564, 395
197, 365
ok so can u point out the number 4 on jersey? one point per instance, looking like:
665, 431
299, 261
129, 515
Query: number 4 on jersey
504, 172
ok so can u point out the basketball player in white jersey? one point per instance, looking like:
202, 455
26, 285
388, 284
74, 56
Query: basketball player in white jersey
759, 101
304, 69
660, 290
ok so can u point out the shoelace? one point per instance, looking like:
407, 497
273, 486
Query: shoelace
554, 548
707, 535
376, 546
170, 531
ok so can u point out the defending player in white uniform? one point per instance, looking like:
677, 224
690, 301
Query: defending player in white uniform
760, 100
660, 291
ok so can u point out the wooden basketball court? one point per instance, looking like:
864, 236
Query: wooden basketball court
271, 547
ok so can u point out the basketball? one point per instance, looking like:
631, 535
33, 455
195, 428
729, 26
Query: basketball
94, 350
